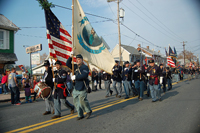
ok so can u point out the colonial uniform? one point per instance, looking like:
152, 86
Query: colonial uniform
48, 80
154, 73
139, 79
79, 93
107, 82
117, 79
60, 93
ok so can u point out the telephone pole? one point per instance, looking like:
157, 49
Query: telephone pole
184, 51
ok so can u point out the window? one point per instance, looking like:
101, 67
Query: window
4, 39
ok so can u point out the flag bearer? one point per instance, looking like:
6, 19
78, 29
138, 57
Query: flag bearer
60, 93
79, 93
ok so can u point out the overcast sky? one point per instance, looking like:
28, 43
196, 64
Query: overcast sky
159, 22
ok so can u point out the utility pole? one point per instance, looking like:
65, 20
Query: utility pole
184, 52
120, 56
120, 14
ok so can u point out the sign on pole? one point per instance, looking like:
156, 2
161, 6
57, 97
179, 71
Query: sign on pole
35, 48
35, 58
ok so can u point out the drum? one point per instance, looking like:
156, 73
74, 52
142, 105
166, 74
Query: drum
42, 90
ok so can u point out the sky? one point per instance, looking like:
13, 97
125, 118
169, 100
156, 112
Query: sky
157, 23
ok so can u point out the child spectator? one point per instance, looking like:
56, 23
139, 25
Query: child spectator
32, 90
27, 87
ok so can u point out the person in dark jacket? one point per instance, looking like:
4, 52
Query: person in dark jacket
117, 79
79, 93
60, 93
126, 78
48, 80
107, 82
154, 73
169, 78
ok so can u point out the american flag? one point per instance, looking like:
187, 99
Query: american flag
59, 40
170, 62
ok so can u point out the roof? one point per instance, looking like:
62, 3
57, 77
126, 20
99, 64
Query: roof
150, 51
131, 49
6, 57
7, 24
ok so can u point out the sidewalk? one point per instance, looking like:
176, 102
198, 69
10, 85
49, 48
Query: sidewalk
6, 98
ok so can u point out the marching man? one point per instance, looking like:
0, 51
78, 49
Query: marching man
79, 93
60, 93
154, 72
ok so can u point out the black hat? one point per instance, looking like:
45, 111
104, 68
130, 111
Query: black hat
151, 61
79, 56
137, 61
126, 62
167, 68
58, 62
161, 64
116, 61
46, 63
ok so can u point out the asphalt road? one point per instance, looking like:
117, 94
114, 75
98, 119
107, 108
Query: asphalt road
179, 112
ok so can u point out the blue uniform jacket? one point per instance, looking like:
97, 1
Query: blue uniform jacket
79, 84
117, 73
126, 74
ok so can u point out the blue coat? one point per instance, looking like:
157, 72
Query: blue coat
80, 76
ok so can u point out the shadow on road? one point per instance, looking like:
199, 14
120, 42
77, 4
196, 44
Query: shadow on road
169, 94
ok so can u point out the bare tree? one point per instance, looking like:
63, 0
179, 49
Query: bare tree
43, 57
188, 55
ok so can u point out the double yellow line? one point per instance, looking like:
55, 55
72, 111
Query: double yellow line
68, 117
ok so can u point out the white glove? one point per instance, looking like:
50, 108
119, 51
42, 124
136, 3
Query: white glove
53, 79
125, 69
104, 72
113, 70
148, 74
136, 71
73, 77
42, 80
133, 81
71, 53
161, 80
122, 81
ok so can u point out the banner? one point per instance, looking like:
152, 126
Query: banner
87, 42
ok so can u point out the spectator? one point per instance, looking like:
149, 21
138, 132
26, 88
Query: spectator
13, 85
4, 80
27, 88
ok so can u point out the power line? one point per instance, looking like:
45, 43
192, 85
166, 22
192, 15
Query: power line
150, 24
151, 19
158, 20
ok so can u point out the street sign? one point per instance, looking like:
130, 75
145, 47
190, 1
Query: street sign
35, 58
35, 48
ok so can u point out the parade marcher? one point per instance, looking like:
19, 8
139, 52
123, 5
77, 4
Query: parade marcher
126, 78
100, 75
169, 78
117, 79
139, 79
94, 81
107, 82
13, 85
181, 73
48, 76
189, 74
60, 93
147, 81
176, 74
154, 72
163, 70
79, 93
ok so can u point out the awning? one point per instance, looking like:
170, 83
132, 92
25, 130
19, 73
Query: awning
8, 57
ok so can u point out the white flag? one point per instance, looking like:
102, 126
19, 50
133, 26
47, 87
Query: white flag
87, 42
